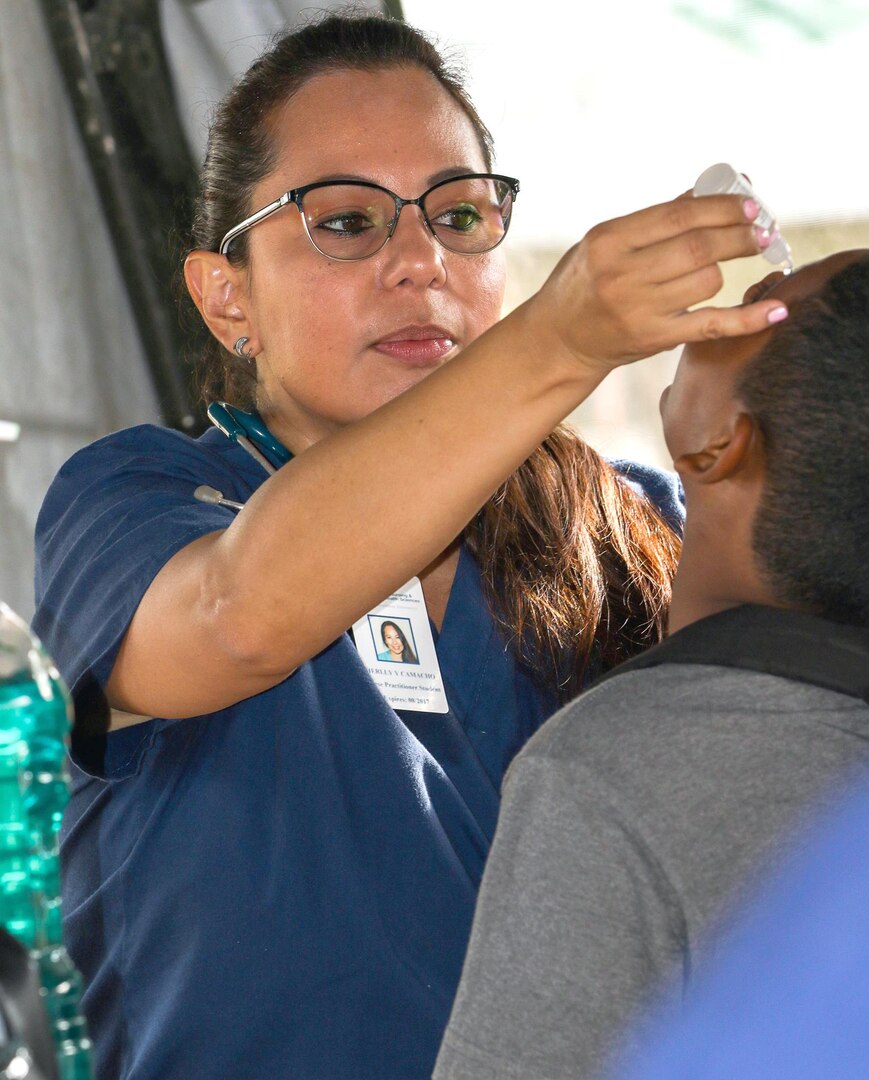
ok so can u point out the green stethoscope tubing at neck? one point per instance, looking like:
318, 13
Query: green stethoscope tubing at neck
249, 430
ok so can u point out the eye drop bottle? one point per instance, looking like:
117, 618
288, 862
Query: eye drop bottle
723, 179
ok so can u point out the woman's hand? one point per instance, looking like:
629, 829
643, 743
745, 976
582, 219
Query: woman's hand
624, 292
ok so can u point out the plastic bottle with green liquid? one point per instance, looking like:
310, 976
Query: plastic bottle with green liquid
35, 716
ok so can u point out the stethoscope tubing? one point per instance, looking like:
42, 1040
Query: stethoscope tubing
246, 444
241, 428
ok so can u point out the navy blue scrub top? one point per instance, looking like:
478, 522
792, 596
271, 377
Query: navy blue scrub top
283, 888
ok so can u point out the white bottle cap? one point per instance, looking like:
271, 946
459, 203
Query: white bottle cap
721, 179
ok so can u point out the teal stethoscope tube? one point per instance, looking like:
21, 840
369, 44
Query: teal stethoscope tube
250, 432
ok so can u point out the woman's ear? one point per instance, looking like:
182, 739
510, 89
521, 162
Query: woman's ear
733, 450
218, 290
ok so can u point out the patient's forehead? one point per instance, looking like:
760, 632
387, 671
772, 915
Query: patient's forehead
702, 396
719, 359
811, 278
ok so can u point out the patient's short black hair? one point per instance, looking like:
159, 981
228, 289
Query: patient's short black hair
808, 390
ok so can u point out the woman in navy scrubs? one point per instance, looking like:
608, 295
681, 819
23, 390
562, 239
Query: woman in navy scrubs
270, 872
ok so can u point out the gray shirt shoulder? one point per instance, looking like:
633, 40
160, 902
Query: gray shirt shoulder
629, 824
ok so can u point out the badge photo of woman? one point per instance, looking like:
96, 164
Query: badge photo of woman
268, 871
398, 649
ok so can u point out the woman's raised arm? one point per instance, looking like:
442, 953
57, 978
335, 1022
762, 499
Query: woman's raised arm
236, 611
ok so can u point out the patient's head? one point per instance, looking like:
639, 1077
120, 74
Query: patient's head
770, 434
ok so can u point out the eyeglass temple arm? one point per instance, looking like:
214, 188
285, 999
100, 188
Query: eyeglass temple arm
254, 219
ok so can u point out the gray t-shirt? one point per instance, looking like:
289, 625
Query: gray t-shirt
629, 824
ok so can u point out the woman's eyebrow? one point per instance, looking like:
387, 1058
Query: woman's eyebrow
338, 177
435, 178
447, 174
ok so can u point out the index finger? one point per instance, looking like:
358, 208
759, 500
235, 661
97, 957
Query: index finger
682, 215
705, 324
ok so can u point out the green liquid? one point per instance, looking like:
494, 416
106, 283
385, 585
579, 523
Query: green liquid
33, 794
34, 722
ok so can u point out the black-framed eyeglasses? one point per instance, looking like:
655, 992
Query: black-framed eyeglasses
352, 219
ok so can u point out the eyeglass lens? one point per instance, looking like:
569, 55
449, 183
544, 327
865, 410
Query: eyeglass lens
354, 221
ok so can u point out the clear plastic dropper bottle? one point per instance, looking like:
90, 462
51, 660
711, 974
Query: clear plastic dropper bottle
723, 179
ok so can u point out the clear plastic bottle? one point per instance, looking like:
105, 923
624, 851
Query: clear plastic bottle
35, 715
723, 179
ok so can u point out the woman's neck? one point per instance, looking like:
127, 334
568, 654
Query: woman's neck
437, 581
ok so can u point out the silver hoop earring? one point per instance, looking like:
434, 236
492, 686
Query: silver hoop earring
239, 348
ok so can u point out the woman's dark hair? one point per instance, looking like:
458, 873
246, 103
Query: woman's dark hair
576, 565
808, 390
408, 656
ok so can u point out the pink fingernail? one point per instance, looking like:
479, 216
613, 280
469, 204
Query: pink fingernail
763, 237
777, 314
751, 209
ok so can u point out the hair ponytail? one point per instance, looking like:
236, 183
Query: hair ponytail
577, 566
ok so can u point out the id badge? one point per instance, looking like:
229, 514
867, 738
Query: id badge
396, 645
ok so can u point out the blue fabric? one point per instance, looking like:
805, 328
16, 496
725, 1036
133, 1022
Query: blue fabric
789, 994
285, 887
664, 489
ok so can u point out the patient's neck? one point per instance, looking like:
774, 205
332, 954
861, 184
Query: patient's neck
717, 571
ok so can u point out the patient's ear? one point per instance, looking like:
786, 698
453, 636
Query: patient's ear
218, 290
734, 449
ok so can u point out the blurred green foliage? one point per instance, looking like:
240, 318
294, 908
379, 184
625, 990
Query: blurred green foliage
750, 24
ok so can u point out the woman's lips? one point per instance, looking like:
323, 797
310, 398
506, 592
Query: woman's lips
416, 345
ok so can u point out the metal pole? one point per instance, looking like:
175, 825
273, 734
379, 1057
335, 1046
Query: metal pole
140, 163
